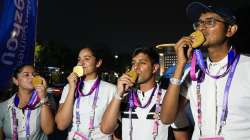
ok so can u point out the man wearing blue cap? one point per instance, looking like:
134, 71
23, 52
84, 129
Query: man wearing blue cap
218, 89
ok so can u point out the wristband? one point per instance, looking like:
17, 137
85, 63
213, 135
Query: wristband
118, 97
175, 81
44, 100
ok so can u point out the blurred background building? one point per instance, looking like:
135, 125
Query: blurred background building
167, 56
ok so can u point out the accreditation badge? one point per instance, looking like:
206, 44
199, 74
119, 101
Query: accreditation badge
76, 135
212, 138
98, 135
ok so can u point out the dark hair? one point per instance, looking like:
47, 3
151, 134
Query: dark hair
151, 52
13, 88
97, 53
20, 68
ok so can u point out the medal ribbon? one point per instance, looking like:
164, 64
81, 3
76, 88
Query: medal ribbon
134, 102
80, 85
197, 58
79, 94
233, 59
33, 101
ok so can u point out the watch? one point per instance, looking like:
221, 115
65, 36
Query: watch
44, 100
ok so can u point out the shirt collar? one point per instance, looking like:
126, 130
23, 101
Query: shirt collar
11, 102
90, 81
147, 93
220, 63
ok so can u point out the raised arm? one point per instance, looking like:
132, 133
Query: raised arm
47, 117
171, 101
64, 114
112, 113
172, 98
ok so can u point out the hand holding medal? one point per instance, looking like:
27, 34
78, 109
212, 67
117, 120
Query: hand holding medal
37, 81
78, 70
198, 39
40, 86
133, 75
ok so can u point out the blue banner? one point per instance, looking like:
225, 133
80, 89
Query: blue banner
17, 36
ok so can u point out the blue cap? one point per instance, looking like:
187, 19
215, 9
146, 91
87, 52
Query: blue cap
195, 9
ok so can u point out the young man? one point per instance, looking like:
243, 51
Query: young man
139, 109
219, 90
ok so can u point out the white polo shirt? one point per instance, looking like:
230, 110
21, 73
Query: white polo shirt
105, 95
143, 121
6, 121
212, 91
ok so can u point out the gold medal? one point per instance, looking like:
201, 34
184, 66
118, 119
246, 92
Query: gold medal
78, 70
198, 39
132, 74
37, 81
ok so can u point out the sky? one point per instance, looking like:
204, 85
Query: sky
117, 25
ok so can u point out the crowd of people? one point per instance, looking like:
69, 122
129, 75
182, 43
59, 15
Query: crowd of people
137, 107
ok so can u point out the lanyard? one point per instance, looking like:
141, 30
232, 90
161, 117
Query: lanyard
30, 106
14, 121
134, 99
32, 102
198, 58
134, 102
80, 85
92, 113
225, 97
157, 114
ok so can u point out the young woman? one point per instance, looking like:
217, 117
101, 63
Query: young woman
84, 99
27, 114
